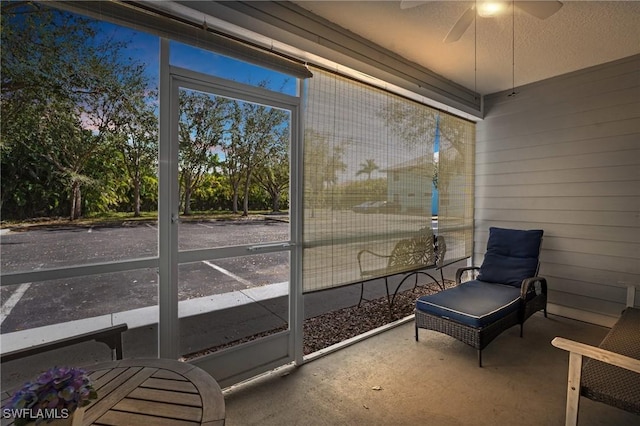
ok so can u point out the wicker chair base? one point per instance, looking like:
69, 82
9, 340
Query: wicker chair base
478, 338
538, 303
608, 383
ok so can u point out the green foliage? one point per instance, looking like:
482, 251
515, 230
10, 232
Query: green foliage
62, 93
272, 174
79, 129
212, 194
258, 138
200, 131
414, 125
136, 138
322, 163
107, 190
149, 193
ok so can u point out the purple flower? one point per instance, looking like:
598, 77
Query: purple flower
24, 399
46, 377
57, 388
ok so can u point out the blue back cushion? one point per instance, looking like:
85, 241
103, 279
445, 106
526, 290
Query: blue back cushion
512, 256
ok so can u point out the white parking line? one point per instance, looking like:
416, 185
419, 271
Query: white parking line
205, 226
150, 225
230, 274
13, 301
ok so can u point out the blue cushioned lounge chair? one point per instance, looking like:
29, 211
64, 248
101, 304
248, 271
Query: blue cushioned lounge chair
503, 292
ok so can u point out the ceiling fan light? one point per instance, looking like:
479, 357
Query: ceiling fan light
489, 9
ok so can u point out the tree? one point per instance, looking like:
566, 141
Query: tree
322, 163
256, 134
367, 168
66, 87
273, 175
233, 167
30, 187
419, 125
200, 131
414, 125
136, 137
71, 157
59, 139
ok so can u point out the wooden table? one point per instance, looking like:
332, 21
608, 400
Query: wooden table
153, 392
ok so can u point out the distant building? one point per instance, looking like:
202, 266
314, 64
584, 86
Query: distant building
409, 185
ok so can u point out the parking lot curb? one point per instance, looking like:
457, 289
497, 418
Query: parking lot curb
140, 317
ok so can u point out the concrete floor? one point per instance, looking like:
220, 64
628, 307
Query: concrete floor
390, 379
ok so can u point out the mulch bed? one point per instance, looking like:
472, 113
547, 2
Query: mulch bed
337, 326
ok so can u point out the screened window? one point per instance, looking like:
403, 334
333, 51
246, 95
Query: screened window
368, 174
369, 170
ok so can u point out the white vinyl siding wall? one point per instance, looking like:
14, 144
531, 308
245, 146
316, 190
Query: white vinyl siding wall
564, 156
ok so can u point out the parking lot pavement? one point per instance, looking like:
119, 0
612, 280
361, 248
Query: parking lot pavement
94, 295
45, 247
70, 299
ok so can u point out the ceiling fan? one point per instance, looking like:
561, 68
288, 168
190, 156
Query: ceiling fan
489, 9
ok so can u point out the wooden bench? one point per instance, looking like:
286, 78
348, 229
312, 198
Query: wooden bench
410, 256
612, 374
110, 336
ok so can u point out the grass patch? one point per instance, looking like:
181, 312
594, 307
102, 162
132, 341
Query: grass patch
119, 218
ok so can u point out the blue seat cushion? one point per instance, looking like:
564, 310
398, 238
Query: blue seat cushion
473, 303
512, 256
507, 270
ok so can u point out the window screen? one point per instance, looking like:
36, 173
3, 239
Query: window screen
368, 173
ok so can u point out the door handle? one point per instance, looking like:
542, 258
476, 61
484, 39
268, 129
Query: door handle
269, 246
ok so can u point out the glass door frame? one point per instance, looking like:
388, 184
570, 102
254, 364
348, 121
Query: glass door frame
171, 80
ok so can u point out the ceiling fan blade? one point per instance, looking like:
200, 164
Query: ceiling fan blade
539, 9
461, 25
408, 4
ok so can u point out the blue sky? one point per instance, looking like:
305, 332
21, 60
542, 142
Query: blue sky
144, 48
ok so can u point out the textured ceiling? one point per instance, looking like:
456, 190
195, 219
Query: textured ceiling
579, 35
